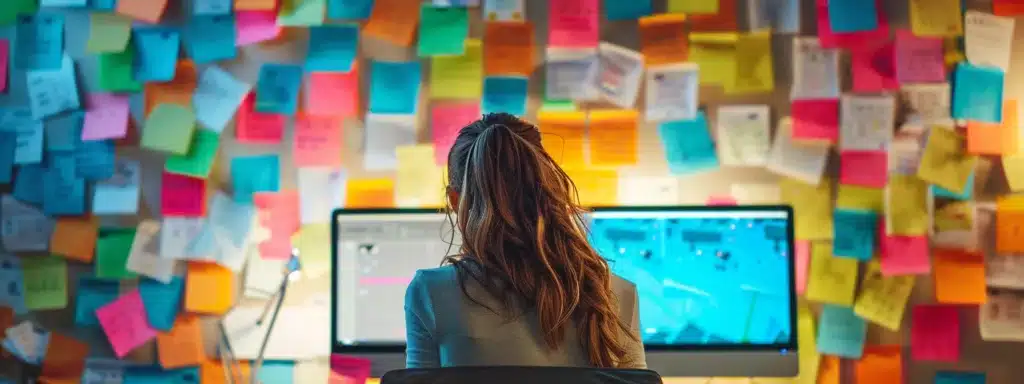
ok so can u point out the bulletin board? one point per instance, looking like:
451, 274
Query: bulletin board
650, 177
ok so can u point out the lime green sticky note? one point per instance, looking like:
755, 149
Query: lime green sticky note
169, 128
458, 77
108, 32
199, 160
10, 9
115, 71
112, 252
443, 30
301, 13
558, 106
46, 282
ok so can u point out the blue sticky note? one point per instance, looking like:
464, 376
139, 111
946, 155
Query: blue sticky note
688, 145
947, 377
505, 94
210, 38
156, 53
841, 332
52, 92
332, 48
64, 132
8, 142
63, 3
277, 372
349, 9
94, 160
29, 133
39, 41
63, 189
978, 93
854, 234
277, 90
627, 9
103, 5
251, 174
12, 284
847, 16
394, 87
945, 193
93, 293
217, 97
28, 183
211, 7
162, 301
158, 375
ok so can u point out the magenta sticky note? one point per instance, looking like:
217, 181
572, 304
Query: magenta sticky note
919, 59
349, 369
573, 23
5, 49
830, 39
106, 117
873, 68
904, 255
935, 333
124, 322
446, 120
253, 27
802, 257
864, 168
816, 120
721, 201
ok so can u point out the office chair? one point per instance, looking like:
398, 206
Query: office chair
519, 375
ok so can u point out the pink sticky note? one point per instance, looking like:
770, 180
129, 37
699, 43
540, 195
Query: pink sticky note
255, 127
573, 23
124, 322
919, 59
349, 370
864, 168
106, 117
333, 94
182, 195
816, 120
802, 256
446, 119
5, 48
935, 333
721, 201
904, 255
317, 141
830, 39
873, 68
279, 214
253, 27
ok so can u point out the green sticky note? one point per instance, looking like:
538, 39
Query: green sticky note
10, 9
199, 160
558, 106
112, 252
46, 282
301, 13
443, 30
108, 33
169, 128
115, 71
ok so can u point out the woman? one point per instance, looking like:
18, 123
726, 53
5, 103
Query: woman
526, 288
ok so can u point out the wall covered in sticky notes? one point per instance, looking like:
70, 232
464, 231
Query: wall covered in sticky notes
159, 158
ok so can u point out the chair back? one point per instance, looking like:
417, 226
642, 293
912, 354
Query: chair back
518, 375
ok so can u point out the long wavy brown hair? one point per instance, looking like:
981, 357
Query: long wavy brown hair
523, 238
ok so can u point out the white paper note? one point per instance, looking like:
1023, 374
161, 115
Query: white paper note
321, 190
782, 16
179, 239
385, 133
30, 341
119, 195
756, 193
23, 227
1001, 318
567, 72
504, 10
104, 371
144, 257
988, 39
744, 134
929, 102
815, 70
866, 122
804, 162
12, 283
648, 190
262, 276
52, 92
617, 75
672, 92
302, 332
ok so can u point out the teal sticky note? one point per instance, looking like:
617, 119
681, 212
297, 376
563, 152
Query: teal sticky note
162, 301
394, 87
39, 41
10, 9
841, 332
63, 189
103, 5
948, 377
28, 183
63, 132
847, 16
277, 372
93, 293
8, 142
217, 97
688, 145
251, 174
29, 133
947, 194
505, 94
112, 250
210, 38
443, 30
156, 53
332, 48
211, 7
277, 90
626, 9
115, 71
94, 160
158, 375
349, 9
854, 233
978, 93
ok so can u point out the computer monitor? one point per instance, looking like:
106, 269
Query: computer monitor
716, 284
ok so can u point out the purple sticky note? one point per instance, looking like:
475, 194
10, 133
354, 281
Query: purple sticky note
106, 117
124, 322
5, 48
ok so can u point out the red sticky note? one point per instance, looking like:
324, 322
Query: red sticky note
182, 195
830, 39
5, 49
1008, 7
333, 94
816, 120
802, 256
317, 141
446, 120
919, 59
904, 255
346, 369
935, 333
880, 364
721, 201
256, 127
872, 67
864, 168
573, 23
279, 214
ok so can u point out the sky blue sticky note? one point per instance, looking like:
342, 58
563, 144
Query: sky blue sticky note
28, 183
217, 97
277, 372
852, 15
39, 41
12, 283
332, 48
52, 92
978, 93
394, 87
94, 160
156, 53
841, 332
29, 132
948, 377
103, 5
443, 30
63, 3
63, 189
505, 94
8, 141
250, 174
93, 293
210, 38
947, 194
854, 233
688, 145
63, 132
277, 90
162, 301
349, 9
211, 7
627, 9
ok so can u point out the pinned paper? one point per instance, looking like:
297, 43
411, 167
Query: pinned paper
53, 92
169, 129
793, 159
617, 75
907, 209
959, 276
75, 238
321, 190
124, 322
816, 120
162, 301
39, 41
393, 21
866, 122
812, 208
210, 38
840, 332
504, 94
253, 27
874, 68
23, 228
663, 39
562, 136
46, 282
996, 139
446, 120
815, 70
394, 87
944, 162
217, 96
508, 48
156, 53
370, 193
744, 134
883, 299
855, 234
715, 53
978, 93
183, 345
988, 39
332, 48
688, 146
182, 195
119, 194
567, 72
419, 182
209, 288
144, 254
904, 255
459, 76
936, 18
251, 174
115, 71
672, 92
332, 94
573, 23
442, 30
831, 279
150, 11
880, 363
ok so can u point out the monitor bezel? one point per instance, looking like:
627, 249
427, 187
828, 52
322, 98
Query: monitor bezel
790, 346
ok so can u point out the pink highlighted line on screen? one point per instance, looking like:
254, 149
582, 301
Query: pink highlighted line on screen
384, 280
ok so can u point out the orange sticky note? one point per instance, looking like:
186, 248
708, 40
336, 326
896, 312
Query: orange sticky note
183, 345
881, 364
177, 91
508, 48
255, 5
995, 138
394, 21
596, 187
1010, 224
75, 238
370, 193
254, 127
663, 39
830, 370
1008, 7
333, 94
64, 359
562, 136
211, 371
209, 288
150, 11
959, 276
317, 141
723, 21
613, 137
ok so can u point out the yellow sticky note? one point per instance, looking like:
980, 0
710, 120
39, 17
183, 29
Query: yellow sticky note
562, 136
860, 198
596, 187
1013, 168
314, 244
944, 162
419, 182
709, 7
882, 299
937, 18
832, 279
812, 208
458, 77
754, 70
613, 137
955, 216
907, 206
807, 348
370, 193
108, 32
715, 53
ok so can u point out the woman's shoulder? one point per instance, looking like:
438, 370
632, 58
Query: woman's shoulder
621, 285
433, 277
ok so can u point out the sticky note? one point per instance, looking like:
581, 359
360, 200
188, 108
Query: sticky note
12, 277
23, 227
614, 138
988, 39
850, 40
349, 368
446, 120
562, 137
156, 53
169, 128
210, 38
596, 187
333, 94
508, 48
688, 145
154, 374
505, 94
103, 5
904, 255
150, 11
852, 15
257, 127
251, 174
120, 193
300, 13
92, 294
320, 189
854, 233
812, 208
52, 92
944, 162
383, 134
723, 20
115, 71
256, 5
1006, 8
106, 116
277, 372
277, 90
183, 345
831, 279
573, 23
663, 38
28, 134
906, 206
177, 91
63, 189
442, 30
816, 120
39, 41
161, 301
46, 282
458, 77
802, 262
75, 238
8, 143
64, 358
995, 139
370, 193
63, 133
349, 9
211, 7
564, 81
883, 299
874, 68
627, 10
253, 27
935, 333
947, 377
394, 87
318, 141
959, 276
28, 186
694, 7
182, 195
217, 96
94, 160
977, 93
936, 18
880, 364
209, 288
279, 214
754, 69
112, 252
715, 53
144, 257
419, 182
840, 332
5, 53
919, 59
393, 21
863, 168
124, 322
332, 48
198, 162
10, 9
1009, 218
